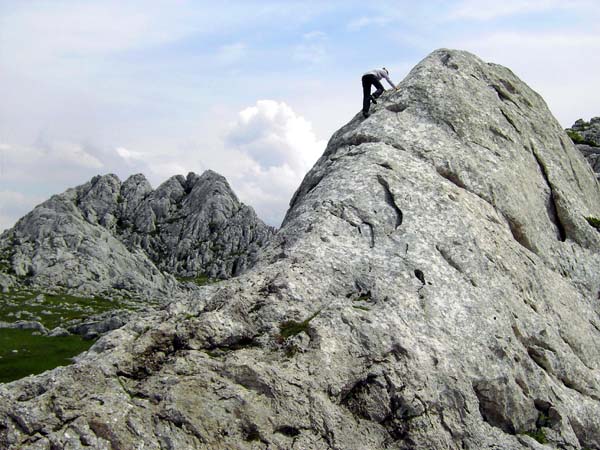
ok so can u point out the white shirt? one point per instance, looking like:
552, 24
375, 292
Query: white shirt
379, 74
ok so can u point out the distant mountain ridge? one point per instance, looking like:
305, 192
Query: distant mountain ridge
113, 235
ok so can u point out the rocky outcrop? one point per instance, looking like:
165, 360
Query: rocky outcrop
586, 137
107, 235
25, 325
58, 246
434, 286
582, 132
191, 226
100, 324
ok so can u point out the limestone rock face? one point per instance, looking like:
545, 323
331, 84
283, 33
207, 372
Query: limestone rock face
110, 235
193, 225
434, 286
63, 243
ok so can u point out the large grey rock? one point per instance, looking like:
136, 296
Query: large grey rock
58, 332
25, 325
434, 286
55, 246
111, 236
6, 282
101, 324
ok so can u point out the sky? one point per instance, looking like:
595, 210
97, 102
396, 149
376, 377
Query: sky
250, 89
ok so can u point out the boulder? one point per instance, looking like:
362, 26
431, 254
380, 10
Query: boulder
98, 325
58, 332
25, 325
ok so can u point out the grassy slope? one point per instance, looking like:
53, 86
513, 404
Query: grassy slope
22, 353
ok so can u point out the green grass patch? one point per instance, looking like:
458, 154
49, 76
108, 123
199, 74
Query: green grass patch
593, 221
291, 328
54, 309
35, 354
363, 308
200, 280
575, 137
539, 435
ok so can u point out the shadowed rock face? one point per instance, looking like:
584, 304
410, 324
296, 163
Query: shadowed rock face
434, 286
110, 235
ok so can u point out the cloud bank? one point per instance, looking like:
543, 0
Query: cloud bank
264, 153
276, 147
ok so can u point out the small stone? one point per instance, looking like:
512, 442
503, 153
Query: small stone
58, 332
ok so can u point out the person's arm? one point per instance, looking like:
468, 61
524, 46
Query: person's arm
387, 78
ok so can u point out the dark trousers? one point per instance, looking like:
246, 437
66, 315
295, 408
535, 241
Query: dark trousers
368, 81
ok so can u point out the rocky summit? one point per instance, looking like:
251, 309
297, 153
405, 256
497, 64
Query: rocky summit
110, 236
434, 285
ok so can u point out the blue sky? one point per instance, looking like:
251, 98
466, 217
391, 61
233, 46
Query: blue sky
250, 89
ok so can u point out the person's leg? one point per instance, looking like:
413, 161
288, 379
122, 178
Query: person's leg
366, 84
379, 87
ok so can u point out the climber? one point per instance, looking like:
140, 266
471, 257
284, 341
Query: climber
372, 79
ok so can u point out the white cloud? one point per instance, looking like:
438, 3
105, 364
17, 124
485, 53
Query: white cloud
272, 134
31, 174
72, 154
48, 159
536, 41
128, 155
492, 9
275, 147
364, 22
14, 205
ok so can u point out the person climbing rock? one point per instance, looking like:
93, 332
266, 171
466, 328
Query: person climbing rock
372, 79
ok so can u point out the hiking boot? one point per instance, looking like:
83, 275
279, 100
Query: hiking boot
366, 114
373, 100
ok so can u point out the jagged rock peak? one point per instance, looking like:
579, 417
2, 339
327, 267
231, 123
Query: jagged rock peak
189, 226
434, 286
